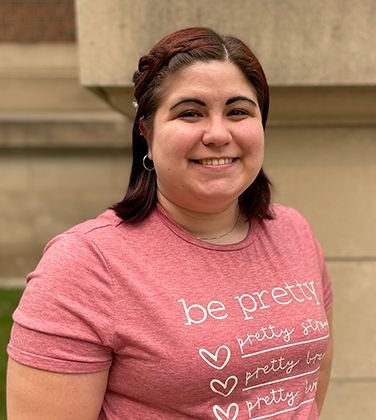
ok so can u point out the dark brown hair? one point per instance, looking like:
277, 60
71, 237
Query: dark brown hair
155, 72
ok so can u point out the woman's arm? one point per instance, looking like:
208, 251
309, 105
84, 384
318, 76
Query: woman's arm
326, 365
34, 394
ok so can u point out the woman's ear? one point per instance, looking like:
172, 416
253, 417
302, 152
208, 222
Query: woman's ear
141, 127
144, 134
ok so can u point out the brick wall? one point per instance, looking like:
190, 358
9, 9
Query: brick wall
27, 21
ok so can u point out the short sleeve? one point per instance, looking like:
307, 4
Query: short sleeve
64, 322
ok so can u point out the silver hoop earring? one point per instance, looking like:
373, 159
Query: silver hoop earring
143, 164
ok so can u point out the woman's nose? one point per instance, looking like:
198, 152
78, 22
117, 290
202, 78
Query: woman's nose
216, 133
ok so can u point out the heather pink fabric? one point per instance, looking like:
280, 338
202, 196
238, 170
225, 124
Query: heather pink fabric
189, 330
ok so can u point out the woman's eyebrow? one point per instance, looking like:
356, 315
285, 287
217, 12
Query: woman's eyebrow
240, 98
197, 101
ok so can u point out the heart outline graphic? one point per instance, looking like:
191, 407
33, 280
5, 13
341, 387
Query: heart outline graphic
217, 408
204, 352
224, 385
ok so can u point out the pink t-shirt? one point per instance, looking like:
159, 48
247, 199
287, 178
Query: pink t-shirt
189, 330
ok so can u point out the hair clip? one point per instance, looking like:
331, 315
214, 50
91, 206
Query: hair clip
135, 104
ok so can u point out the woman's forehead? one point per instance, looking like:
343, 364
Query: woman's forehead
210, 79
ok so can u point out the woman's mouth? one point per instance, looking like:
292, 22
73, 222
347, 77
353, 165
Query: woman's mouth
215, 162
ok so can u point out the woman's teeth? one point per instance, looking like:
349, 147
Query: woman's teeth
215, 162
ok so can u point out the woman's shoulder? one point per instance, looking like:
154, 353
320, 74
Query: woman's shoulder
100, 229
288, 223
287, 215
104, 221
107, 236
281, 211
83, 242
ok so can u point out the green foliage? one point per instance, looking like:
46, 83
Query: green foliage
8, 302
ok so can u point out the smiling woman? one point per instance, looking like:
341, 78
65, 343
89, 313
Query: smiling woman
194, 297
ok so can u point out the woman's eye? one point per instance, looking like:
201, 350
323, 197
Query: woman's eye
238, 112
190, 113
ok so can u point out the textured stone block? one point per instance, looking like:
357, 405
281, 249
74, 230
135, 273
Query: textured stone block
354, 326
327, 173
350, 401
98, 129
54, 193
331, 43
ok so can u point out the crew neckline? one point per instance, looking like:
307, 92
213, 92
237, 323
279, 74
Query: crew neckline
187, 237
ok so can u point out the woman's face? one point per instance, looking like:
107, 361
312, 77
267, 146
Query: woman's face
207, 143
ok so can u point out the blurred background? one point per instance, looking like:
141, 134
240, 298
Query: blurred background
65, 128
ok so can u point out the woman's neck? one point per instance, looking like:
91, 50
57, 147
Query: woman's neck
224, 227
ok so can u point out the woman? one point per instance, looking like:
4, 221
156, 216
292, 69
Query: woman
194, 297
